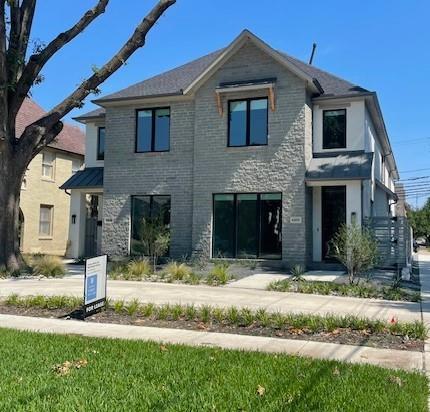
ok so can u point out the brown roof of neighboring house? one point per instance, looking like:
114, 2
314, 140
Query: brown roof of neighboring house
71, 139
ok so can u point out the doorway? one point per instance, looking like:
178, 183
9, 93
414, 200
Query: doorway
333, 215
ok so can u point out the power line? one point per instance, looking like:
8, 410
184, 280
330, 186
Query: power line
414, 170
414, 178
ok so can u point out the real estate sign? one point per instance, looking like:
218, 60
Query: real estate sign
95, 284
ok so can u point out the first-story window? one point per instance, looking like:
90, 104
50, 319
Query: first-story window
334, 129
247, 122
247, 225
48, 161
153, 130
150, 223
45, 220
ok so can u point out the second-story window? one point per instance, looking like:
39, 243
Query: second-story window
247, 122
48, 162
334, 129
153, 130
101, 143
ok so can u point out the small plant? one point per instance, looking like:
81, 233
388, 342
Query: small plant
262, 317
205, 313
118, 306
163, 312
190, 312
176, 311
247, 317
132, 307
178, 271
193, 279
233, 315
219, 274
297, 273
147, 310
139, 269
356, 248
218, 314
49, 266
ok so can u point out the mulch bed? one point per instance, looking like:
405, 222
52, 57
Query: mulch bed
343, 336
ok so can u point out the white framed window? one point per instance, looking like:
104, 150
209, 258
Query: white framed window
48, 163
45, 220
76, 165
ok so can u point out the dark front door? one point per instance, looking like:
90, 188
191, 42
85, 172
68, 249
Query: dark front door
333, 214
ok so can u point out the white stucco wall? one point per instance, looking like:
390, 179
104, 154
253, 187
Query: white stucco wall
77, 229
355, 139
91, 145
353, 205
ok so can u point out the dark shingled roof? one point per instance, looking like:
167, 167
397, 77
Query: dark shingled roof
91, 177
90, 115
176, 80
341, 167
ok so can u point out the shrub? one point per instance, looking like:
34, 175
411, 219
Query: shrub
138, 269
297, 272
219, 274
193, 279
178, 271
49, 266
132, 307
356, 249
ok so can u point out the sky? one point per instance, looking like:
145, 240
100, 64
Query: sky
379, 45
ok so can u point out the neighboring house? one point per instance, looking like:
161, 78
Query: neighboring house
246, 152
44, 215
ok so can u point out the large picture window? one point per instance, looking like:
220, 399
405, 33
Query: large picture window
149, 214
153, 130
334, 129
247, 225
247, 122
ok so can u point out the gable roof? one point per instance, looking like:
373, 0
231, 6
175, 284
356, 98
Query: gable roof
71, 138
179, 80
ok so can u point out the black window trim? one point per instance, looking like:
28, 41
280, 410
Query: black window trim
152, 110
344, 131
100, 156
258, 218
248, 121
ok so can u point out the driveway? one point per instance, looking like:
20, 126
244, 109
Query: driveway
161, 293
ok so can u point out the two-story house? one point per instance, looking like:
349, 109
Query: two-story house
246, 152
44, 208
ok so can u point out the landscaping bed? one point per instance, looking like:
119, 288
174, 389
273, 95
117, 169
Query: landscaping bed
361, 290
71, 373
337, 329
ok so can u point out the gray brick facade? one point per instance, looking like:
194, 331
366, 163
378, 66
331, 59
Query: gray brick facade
200, 164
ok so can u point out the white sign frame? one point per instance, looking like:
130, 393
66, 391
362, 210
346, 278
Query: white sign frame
95, 284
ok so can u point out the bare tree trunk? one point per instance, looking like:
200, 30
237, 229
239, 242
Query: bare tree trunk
11, 175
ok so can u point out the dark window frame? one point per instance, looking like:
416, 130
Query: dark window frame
235, 218
151, 202
248, 121
324, 145
101, 156
152, 110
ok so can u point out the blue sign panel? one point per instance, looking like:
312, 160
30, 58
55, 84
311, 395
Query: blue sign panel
91, 287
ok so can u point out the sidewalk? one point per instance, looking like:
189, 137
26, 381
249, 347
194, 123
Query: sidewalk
388, 358
161, 293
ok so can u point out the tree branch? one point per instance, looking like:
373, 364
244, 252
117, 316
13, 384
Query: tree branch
37, 61
89, 85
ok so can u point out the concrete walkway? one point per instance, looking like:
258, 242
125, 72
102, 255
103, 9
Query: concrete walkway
355, 354
161, 293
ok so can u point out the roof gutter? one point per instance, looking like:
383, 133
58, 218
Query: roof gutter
101, 102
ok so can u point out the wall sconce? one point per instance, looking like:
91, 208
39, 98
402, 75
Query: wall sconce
353, 218
73, 219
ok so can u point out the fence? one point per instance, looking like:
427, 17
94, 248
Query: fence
394, 240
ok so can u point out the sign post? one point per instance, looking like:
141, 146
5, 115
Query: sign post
95, 283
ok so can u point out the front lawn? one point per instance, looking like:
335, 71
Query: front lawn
70, 373
362, 290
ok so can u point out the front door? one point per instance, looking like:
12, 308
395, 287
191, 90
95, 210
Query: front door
333, 214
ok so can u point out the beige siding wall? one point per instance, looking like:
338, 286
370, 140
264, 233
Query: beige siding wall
41, 191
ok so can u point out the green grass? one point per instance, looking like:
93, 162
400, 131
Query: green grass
232, 316
125, 375
363, 290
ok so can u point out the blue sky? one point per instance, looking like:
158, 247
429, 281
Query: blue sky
379, 45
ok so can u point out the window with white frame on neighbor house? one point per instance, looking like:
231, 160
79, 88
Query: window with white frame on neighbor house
45, 220
153, 130
334, 129
247, 122
48, 165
